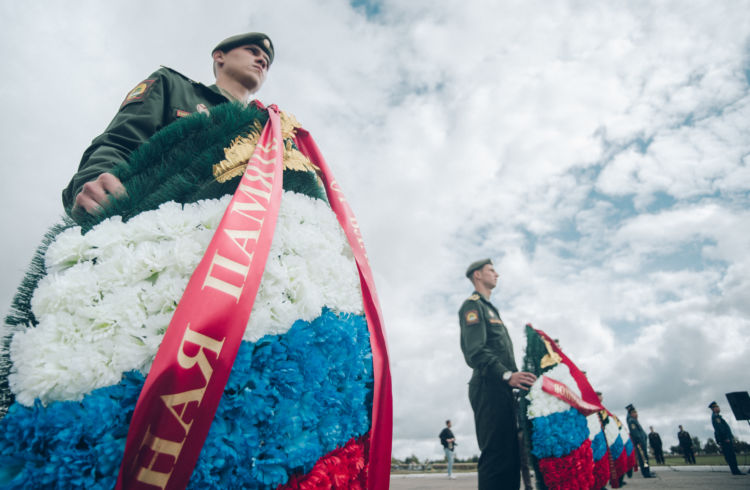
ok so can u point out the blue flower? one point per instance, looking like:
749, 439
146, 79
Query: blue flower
558, 434
616, 448
289, 400
599, 446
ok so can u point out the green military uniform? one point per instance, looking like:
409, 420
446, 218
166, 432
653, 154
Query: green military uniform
488, 350
724, 437
156, 102
640, 441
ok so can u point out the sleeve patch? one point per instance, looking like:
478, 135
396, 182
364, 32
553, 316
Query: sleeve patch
139, 93
471, 317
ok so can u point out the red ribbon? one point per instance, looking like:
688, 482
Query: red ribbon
184, 386
561, 391
587, 391
382, 405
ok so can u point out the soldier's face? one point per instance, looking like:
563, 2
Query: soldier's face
488, 276
716, 409
246, 64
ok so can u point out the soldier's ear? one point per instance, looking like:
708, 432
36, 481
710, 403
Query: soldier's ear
218, 56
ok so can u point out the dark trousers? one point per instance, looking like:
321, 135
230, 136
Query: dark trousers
497, 434
689, 456
642, 456
658, 455
728, 449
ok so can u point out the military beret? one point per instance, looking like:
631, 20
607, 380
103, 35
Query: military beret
630, 408
711, 405
477, 265
257, 38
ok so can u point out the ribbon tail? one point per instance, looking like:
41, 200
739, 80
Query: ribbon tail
381, 431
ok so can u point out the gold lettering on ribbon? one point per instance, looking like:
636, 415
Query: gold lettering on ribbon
158, 446
258, 196
564, 393
243, 236
222, 285
339, 193
204, 342
183, 399
358, 235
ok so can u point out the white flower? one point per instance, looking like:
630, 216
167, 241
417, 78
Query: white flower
595, 425
611, 431
542, 403
110, 294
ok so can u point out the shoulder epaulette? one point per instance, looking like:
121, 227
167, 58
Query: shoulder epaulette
180, 74
474, 297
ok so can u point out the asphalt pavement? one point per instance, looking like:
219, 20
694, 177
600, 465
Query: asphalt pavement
667, 477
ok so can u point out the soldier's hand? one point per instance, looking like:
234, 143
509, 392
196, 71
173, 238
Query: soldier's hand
96, 195
522, 380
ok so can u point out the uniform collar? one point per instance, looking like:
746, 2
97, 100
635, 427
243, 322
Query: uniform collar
486, 300
220, 91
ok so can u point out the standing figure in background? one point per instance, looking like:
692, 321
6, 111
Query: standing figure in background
686, 443
448, 440
638, 436
724, 437
655, 440
488, 350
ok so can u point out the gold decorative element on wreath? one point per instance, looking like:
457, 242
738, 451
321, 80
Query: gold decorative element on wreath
551, 358
241, 150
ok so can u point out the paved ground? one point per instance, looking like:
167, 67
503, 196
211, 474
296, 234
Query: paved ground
675, 477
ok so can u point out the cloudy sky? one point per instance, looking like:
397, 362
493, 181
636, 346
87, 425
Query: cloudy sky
597, 151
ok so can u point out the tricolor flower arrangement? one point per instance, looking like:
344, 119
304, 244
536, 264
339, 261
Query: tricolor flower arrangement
575, 443
622, 457
297, 409
599, 450
556, 412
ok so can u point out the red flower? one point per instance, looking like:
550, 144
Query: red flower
572, 471
343, 468
601, 471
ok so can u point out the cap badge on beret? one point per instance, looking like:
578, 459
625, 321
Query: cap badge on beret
257, 38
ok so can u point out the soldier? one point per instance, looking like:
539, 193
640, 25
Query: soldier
638, 436
686, 443
655, 440
488, 350
724, 437
241, 63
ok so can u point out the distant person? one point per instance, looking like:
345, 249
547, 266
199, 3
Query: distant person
488, 350
686, 443
655, 440
448, 440
724, 437
640, 442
